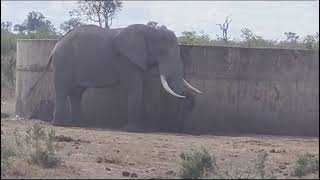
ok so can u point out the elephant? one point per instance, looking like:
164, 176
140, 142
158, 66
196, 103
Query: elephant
93, 57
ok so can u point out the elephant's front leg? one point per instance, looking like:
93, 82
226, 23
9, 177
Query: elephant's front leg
135, 99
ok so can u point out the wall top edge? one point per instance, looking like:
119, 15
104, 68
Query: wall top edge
238, 47
37, 39
202, 46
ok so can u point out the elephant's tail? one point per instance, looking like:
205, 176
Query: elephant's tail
42, 75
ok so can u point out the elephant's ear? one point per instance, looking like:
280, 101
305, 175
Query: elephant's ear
131, 43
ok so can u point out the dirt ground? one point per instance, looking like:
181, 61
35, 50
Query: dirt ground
102, 153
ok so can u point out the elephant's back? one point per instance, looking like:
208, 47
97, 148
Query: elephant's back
88, 40
85, 40
90, 30
89, 50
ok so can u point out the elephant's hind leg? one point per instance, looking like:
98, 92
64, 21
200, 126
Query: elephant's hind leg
62, 81
75, 99
59, 116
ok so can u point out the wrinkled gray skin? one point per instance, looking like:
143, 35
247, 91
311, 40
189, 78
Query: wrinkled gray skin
93, 57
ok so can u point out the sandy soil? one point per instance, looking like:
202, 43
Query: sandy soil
103, 153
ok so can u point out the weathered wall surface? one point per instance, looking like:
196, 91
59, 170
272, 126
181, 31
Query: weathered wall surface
32, 58
271, 91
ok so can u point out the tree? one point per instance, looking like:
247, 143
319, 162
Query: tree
34, 21
102, 12
203, 38
192, 38
152, 23
258, 41
291, 37
316, 43
155, 25
247, 35
187, 37
35, 24
224, 28
20, 28
311, 41
6, 26
308, 41
70, 24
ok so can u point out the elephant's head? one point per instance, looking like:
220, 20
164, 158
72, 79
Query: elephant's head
146, 46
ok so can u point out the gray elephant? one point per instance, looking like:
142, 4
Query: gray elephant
93, 57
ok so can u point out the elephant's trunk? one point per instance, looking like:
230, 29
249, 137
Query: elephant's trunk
167, 87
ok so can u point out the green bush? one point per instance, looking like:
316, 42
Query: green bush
194, 165
260, 164
40, 146
306, 164
200, 164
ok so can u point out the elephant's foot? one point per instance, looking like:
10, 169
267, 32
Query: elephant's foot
133, 128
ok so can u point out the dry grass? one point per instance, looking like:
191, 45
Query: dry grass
22, 169
7, 152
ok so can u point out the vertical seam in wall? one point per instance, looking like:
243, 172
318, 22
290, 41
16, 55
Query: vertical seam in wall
238, 79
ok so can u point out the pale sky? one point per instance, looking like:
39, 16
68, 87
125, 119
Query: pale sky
269, 19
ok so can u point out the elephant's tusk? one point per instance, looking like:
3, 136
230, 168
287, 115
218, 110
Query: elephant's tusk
167, 88
191, 87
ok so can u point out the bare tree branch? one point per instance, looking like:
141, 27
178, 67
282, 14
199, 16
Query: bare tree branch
224, 28
102, 12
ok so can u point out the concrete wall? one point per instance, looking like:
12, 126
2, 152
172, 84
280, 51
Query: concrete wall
271, 91
32, 58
